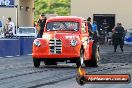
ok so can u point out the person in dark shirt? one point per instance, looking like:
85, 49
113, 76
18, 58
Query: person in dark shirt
105, 29
118, 37
105, 25
0, 27
0, 23
41, 22
89, 26
92, 34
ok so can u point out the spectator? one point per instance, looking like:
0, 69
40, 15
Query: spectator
105, 25
35, 25
89, 26
41, 23
0, 23
118, 37
94, 26
94, 30
105, 28
0, 27
10, 28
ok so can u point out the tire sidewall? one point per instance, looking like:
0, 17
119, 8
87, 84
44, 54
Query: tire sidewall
78, 60
95, 52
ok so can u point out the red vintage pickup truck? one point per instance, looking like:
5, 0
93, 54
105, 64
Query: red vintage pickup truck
65, 38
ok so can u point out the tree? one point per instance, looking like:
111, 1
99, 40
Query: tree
60, 7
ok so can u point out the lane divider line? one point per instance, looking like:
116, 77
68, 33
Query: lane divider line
17, 55
9, 56
14, 56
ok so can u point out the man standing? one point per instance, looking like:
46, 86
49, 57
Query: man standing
89, 26
0, 23
41, 22
105, 29
105, 26
118, 37
10, 28
94, 26
95, 32
0, 27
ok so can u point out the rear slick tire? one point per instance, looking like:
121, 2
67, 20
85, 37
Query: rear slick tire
80, 60
94, 58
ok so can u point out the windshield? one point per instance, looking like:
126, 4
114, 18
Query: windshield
26, 30
66, 26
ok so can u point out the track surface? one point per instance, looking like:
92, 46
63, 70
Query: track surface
19, 72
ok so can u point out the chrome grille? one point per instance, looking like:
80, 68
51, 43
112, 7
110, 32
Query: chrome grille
55, 46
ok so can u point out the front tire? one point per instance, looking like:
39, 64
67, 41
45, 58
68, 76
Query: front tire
36, 62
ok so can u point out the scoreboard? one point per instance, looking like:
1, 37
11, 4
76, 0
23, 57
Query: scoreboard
6, 2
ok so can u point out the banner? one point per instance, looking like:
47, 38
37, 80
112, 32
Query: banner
83, 78
6, 2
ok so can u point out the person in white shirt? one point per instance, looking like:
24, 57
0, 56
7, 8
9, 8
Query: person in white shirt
11, 26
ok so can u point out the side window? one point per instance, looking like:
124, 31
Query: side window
83, 27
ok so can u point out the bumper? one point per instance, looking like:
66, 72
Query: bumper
45, 56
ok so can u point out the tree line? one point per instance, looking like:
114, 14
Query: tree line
59, 7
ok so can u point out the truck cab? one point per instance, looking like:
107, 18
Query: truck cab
65, 38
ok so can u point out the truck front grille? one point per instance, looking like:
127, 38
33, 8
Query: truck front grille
55, 46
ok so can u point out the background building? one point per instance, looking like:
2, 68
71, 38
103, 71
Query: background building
21, 11
112, 10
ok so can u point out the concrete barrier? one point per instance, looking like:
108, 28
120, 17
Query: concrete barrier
26, 46
15, 47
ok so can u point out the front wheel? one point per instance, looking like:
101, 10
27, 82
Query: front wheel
80, 60
36, 62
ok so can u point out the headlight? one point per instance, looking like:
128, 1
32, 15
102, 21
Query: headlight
37, 43
73, 42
